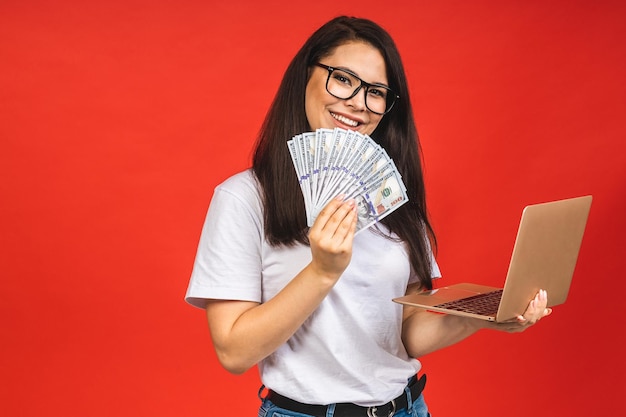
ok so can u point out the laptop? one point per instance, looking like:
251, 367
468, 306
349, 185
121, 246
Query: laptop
544, 257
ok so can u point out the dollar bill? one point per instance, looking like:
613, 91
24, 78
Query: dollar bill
330, 162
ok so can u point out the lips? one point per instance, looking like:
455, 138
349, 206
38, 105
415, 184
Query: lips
345, 120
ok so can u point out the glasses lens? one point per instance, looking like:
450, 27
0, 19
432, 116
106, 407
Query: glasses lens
343, 85
378, 97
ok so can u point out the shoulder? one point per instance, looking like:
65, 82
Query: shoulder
238, 195
243, 186
244, 181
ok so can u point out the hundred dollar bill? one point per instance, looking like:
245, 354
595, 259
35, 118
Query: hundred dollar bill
294, 149
330, 162
337, 169
382, 198
323, 143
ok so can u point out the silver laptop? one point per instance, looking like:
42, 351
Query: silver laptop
544, 257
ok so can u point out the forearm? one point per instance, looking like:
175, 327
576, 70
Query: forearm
245, 333
424, 332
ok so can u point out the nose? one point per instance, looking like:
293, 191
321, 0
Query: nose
358, 100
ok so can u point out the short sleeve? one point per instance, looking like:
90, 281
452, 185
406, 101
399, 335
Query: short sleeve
228, 261
434, 266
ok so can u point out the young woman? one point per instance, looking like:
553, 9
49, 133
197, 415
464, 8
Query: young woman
312, 306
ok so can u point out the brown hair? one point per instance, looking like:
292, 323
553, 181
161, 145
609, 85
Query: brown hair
284, 212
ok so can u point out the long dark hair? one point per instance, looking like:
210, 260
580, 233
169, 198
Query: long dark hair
284, 213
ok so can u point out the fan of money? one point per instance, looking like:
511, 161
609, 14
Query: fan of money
332, 162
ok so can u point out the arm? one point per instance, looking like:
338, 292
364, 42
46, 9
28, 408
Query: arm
245, 332
424, 332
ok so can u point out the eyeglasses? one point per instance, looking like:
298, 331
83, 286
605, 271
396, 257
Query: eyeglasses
344, 85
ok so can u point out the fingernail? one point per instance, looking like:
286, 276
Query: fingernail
340, 197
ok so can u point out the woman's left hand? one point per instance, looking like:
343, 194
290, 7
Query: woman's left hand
536, 310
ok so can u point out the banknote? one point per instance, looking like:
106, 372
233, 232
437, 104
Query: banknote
332, 162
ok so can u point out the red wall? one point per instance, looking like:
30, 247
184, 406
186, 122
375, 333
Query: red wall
117, 119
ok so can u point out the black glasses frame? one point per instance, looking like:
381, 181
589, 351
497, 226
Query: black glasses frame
356, 91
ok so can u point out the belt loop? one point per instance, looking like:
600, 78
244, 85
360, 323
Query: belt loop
409, 400
260, 391
330, 411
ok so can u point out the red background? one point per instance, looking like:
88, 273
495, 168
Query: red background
117, 119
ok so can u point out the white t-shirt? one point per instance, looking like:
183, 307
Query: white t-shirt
350, 348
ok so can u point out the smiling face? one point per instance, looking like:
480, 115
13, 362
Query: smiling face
325, 111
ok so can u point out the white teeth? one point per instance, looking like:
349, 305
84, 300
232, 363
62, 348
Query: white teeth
345, 120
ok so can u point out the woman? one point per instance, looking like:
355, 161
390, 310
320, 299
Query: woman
312, 307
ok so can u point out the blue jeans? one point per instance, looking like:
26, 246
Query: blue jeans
417, 408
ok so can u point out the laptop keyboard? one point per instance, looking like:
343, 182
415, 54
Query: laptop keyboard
483, 304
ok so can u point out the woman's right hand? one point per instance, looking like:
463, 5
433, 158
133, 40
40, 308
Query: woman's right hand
331, 237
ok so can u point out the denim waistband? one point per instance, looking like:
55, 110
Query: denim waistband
411, 392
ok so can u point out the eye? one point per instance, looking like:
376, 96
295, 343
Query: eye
343, 78
377, 92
